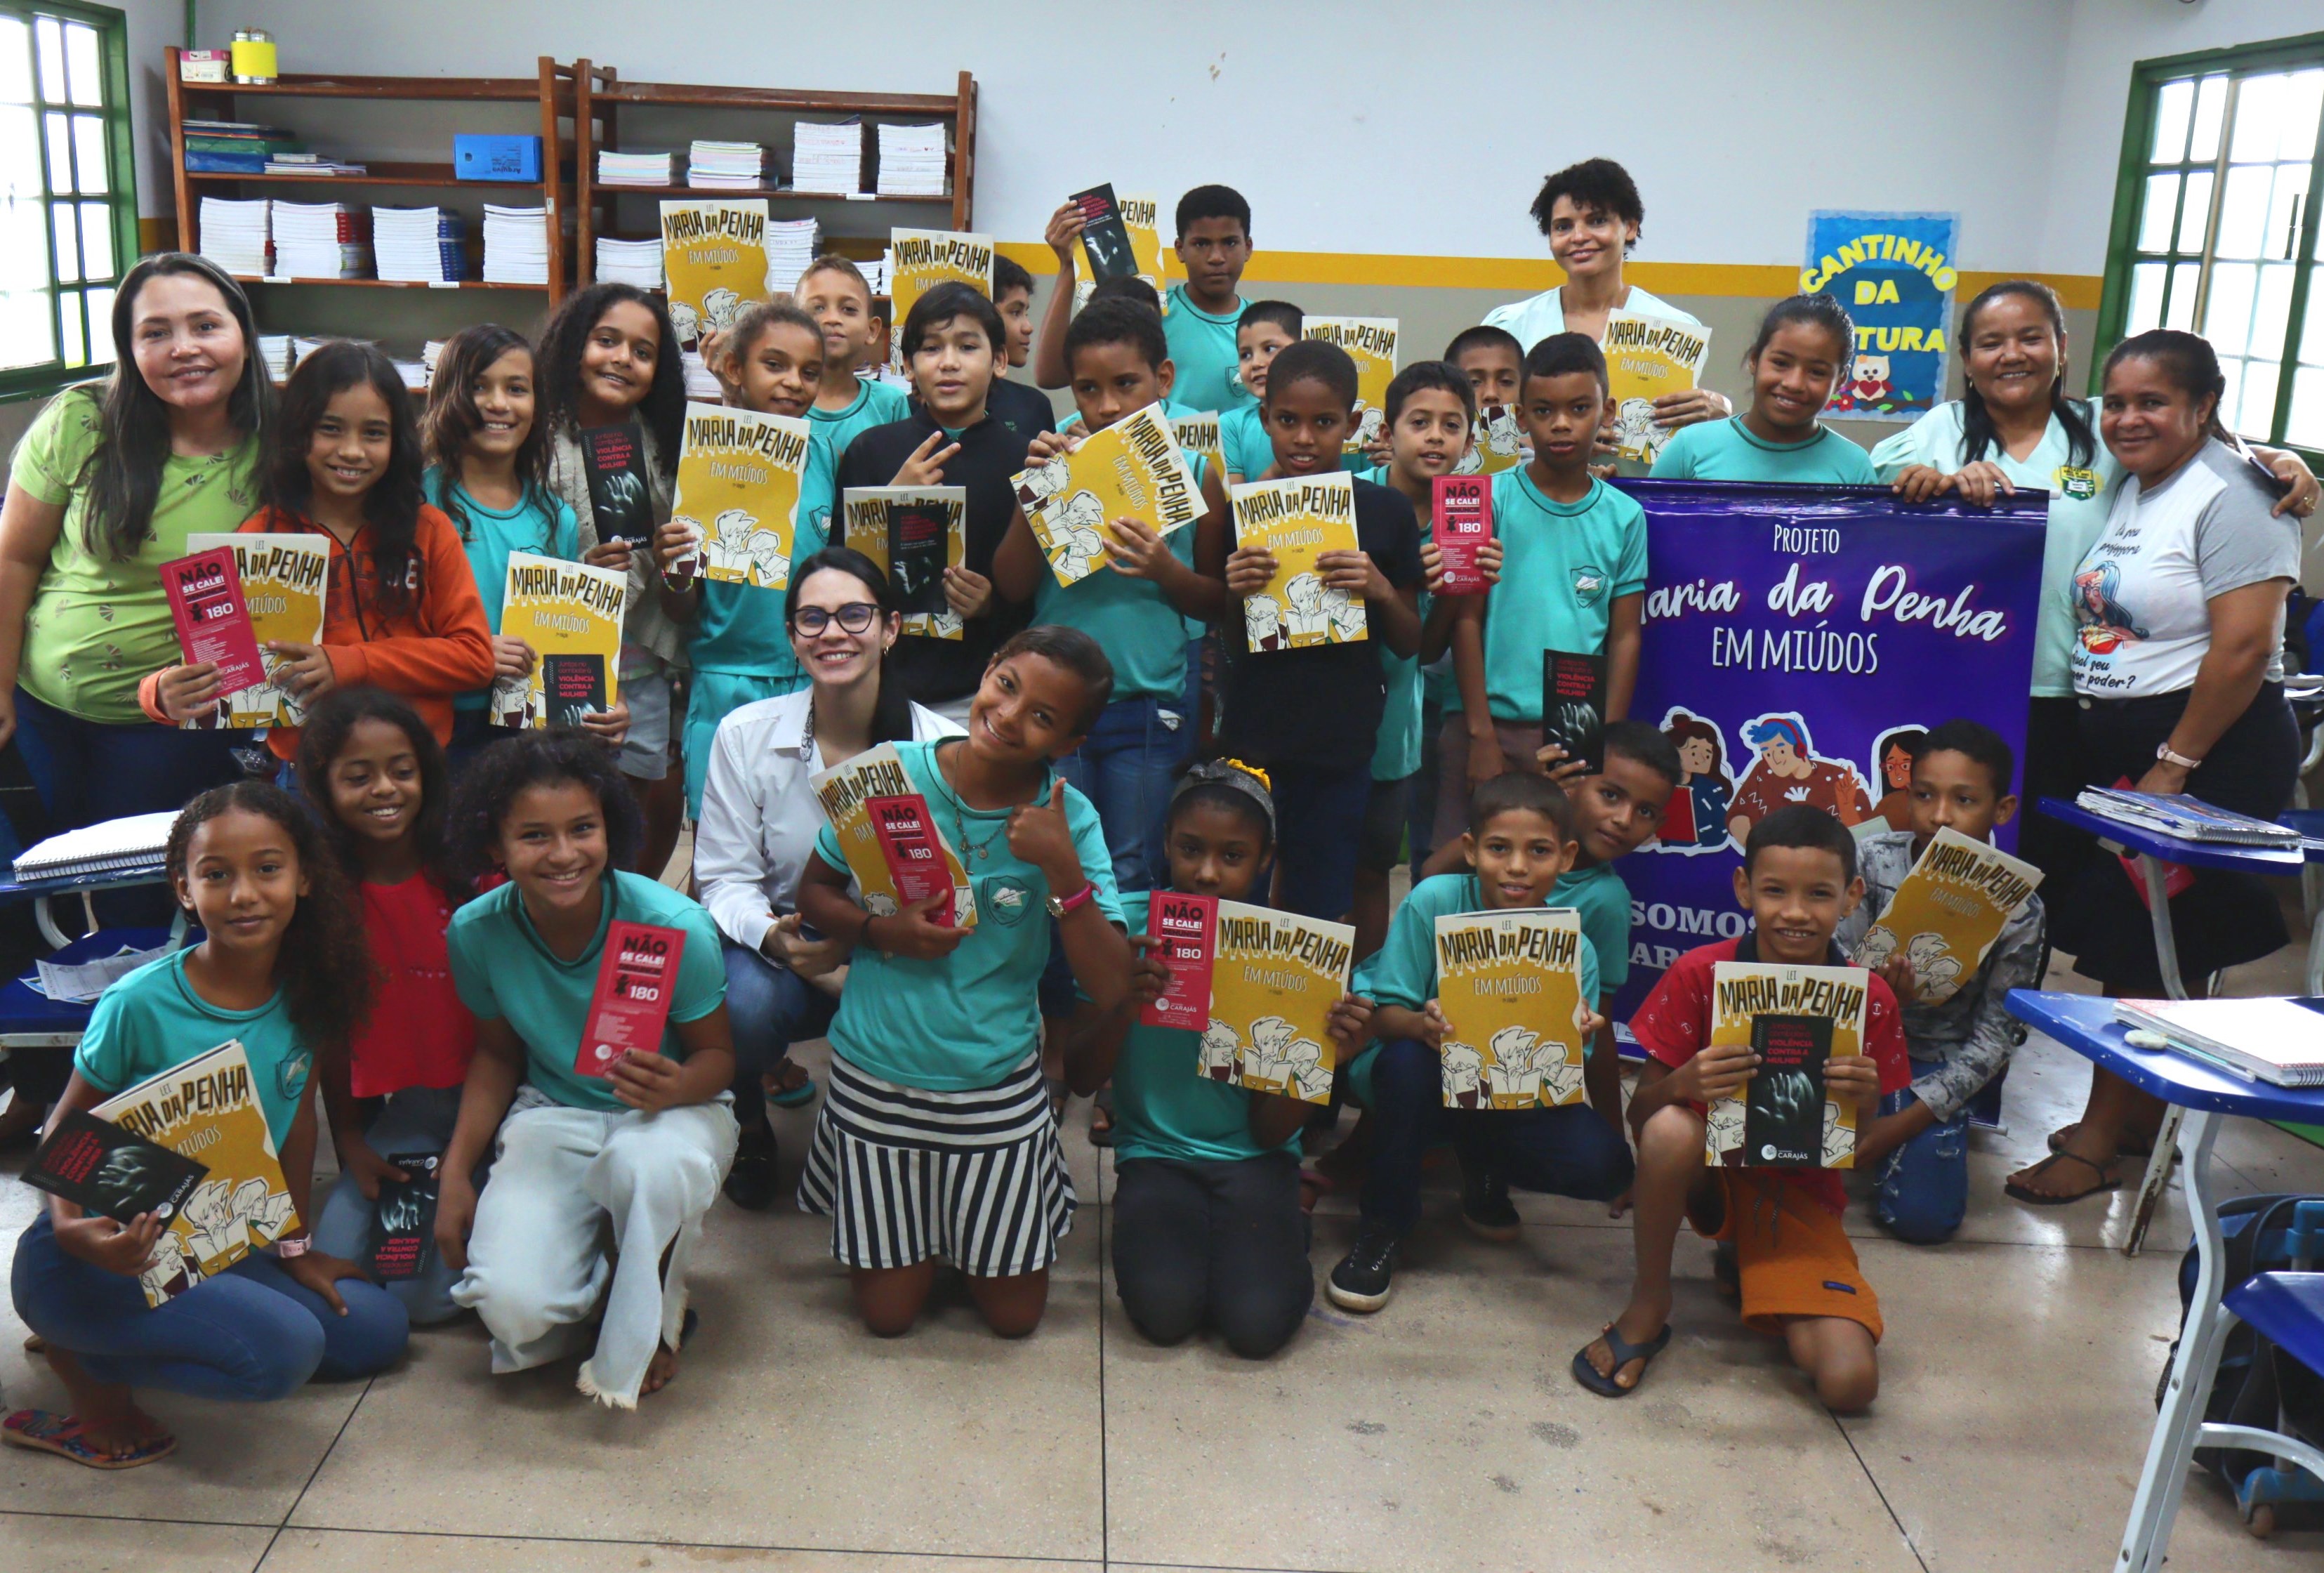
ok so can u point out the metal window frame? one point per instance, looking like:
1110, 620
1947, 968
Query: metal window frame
112, 27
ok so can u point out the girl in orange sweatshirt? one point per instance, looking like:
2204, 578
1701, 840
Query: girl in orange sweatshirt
400, 610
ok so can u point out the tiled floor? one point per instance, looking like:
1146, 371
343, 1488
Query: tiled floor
1443, 1433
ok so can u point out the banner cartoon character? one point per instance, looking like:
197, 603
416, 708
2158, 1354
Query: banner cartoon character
1695, 819
1787, 771
1893, 752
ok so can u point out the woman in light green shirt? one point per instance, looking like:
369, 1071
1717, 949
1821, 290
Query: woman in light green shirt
103, 489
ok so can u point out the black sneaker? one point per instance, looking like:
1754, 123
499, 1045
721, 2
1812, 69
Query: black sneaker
1486, 1207
751, 1183
1361, 1282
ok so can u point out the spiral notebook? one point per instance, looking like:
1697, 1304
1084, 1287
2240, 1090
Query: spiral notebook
114, 846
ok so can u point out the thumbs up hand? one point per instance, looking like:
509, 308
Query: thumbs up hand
1039, 835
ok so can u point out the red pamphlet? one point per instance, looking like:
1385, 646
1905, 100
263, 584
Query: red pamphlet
205, 593
1184, 930
916, 862
1461, 520
630, 1005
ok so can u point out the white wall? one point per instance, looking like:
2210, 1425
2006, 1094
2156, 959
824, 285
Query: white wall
153, 26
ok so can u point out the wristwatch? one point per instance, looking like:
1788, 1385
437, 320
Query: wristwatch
2162, 751
1060, 907
292, 1247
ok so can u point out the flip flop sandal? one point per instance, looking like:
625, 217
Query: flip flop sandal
1100, 1135
2036, 1198
36, 1344
1624, 1352
2130, 1146
794, 1098
40, 1431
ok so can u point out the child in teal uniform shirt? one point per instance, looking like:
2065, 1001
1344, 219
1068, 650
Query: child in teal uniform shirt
834, 292
1214, 246
1268, 327
1803, 350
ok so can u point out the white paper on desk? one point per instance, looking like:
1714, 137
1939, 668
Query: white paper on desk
77, 984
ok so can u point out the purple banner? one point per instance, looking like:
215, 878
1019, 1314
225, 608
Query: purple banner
1797, 639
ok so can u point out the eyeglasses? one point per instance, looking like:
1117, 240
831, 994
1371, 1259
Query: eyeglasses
854, 617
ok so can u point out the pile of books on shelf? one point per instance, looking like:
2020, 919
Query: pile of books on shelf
311, 164
790, 246
634, 169
419, 245
301, 348
516, 245
701, 386
912, 160
320, 240
827, 157
879, 271
630, 262
414, 372
274, 354
429, 351
235, 147
726, 166
234, 234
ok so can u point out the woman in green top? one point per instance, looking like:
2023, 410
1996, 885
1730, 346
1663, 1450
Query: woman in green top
103, 489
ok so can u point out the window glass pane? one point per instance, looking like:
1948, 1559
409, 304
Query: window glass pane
2227, 315
68, 242
2171, 107
2284, 211
2145, 297
96, 241
81, 57
2306, 426
49, 33
100, 326
89, 155
2231, 372
2195, 212
73, 351
2259, 378
2272, 318
23, 246
59, 131
27, 332
15, 61
2303, 100
20, 153
2162, 206
2243, 210
2184, 279
2210, 110
2259, 112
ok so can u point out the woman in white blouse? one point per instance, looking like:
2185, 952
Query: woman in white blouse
758, 822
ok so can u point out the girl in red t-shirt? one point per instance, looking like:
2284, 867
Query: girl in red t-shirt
374, 770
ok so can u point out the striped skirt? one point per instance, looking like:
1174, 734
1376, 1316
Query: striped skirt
976, 1179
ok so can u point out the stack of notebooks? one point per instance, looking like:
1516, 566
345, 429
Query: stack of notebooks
634, 169
912, 160
234, 234
630, 262
701, 386
2186, 817
414, 372
2276, 1041
114, 846
300, 348
827, 158
235, 147
419, 245
726, 166
516, 245
879, 272
429, 351
311, 164
320, 240
274, 354
790, 246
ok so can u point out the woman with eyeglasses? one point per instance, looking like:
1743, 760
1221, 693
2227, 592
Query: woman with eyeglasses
758, 822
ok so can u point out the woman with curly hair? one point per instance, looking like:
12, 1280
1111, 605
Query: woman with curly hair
282, 969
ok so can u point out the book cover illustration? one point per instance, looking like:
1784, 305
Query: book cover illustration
564, 610
1574, 705
572, 687
1497, 442
630, 1004
205, 592
742, 471
1370, 342
618, 500
1948, 912
1460, 522
912, 850
1106, 238
209, 1106
1198, 433
1274, 977
846, 792
930, 523
1784, 1102
1141, 216
714, 260
1134, 469
918, 259
284, 581
1742, 990
1184, 930
1298, 519
1646, 357
1510, 982
406, 1214
104, 1168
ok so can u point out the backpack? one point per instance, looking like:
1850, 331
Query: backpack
2257, 1384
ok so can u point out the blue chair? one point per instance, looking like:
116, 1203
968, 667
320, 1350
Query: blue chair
2287, 1308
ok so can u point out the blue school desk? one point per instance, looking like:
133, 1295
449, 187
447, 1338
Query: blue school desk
2153, 849
29, 1019
2086, 1025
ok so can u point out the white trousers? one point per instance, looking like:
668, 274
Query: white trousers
570, 1189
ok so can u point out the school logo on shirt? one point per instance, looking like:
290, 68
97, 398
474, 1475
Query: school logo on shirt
2080, 485
290, 1073
1008, 899
1588, 583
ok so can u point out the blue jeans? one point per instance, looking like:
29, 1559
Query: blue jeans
250, 1335
1125, 767
1190, 735
417, 1120
1421, 828
1565, 1151
1319, 823
1923, 1191
769, 1008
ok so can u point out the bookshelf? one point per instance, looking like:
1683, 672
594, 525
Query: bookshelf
669, 115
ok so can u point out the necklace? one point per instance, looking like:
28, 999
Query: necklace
970, 851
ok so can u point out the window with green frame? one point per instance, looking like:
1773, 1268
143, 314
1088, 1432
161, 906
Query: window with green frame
2216, 228
67, 194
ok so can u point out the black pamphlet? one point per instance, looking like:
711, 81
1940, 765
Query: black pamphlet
1573, 705
918, 538
105, 1169
615, 460
407, 1218
1105, 237
572, 686
1783, 1103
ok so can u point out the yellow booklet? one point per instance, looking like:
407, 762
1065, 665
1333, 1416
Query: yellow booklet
1795, 1018
1948, 913
571, 616
1198, 433
843, 790
1372, 342
207, 1108
1133, 469
742, 472
1298, 519
1646, 357
1510, 984
1142, 218
1497, 442
714, 258
921, 259
284, 578
872, 517
1274, 977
